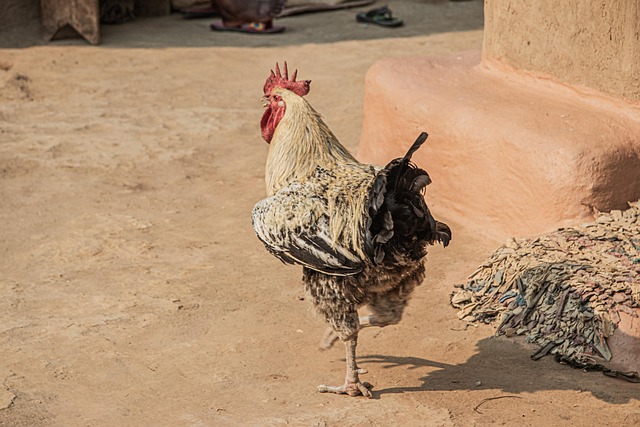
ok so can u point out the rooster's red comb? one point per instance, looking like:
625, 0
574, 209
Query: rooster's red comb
278, 80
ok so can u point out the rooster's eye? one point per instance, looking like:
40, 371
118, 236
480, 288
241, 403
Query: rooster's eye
278, 100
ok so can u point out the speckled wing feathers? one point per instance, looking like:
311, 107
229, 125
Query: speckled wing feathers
293, 225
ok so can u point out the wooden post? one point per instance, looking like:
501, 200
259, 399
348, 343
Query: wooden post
81, 15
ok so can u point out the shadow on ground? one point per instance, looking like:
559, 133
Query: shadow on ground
421, 17
499, 364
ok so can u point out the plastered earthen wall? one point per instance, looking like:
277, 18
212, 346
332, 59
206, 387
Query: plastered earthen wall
592, 43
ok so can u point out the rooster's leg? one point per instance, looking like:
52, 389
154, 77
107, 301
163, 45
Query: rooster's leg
386, 308
352, 385
330, 337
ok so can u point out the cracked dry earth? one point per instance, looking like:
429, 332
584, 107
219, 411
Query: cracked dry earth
134, 291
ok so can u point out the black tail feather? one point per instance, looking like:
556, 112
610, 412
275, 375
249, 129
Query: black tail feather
443, 233
419, 141
403, 222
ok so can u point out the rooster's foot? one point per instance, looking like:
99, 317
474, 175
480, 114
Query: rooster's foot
354, 388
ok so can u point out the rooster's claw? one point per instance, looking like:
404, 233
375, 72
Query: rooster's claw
352, 389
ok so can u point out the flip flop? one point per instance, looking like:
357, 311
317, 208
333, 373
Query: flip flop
381, 16
249, 27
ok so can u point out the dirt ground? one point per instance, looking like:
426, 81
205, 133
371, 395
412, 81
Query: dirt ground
134, 291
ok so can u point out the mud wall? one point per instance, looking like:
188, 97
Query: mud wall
586, 43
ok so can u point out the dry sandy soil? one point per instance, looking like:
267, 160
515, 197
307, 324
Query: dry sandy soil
135, 293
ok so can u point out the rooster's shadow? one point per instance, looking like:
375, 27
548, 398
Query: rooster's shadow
503, 364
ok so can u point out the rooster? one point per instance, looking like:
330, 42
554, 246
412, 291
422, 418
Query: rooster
359, 231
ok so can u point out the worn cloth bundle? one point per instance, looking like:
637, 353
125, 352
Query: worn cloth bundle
563, 291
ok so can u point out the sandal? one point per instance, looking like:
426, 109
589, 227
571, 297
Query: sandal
266, 27
381, 16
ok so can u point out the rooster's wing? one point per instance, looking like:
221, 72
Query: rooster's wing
293, 224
